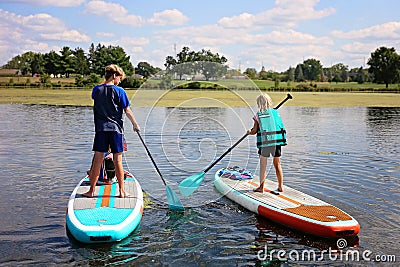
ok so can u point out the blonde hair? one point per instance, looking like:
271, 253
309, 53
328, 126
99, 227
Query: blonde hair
113, 69
264, 102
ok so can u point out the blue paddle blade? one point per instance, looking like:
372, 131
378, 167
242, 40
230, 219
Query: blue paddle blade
190, 184
174, 203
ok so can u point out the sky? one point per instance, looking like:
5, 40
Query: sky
250, 34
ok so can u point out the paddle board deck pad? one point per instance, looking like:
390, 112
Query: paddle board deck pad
291, 208
105, 217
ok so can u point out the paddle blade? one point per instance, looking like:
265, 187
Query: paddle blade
174, 203
190, 184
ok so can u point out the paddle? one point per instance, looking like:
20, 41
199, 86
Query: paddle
174, 203
190, 184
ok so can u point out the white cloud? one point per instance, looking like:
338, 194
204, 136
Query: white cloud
284, 13
131, 46
59, 3
120, 15
168, 17
359, 48
105, 34
20, 34
114, 12
279, 58
37, 22
203, 35
243, 20
389, 30
42, 22
291, 37
69, 36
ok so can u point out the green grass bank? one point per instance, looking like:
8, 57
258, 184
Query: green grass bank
200, 98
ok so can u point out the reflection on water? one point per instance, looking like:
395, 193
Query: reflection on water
345, 156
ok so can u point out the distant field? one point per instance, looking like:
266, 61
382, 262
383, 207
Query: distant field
7, 75
199, 98
23, 79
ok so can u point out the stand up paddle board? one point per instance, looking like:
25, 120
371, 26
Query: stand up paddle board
291, 208
105, 217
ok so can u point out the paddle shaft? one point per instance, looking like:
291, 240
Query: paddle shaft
152, 160
243, 137
226, 152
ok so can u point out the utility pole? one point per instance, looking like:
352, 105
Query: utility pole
175, 49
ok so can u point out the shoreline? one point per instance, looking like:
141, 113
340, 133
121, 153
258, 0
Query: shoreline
199, 98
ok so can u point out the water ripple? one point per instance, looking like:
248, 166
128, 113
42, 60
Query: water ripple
336, 154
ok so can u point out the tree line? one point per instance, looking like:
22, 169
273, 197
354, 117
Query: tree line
384, 67
87, 68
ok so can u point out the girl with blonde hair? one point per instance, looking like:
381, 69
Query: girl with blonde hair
264, 103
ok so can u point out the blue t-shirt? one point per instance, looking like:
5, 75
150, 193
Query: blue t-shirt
109, 104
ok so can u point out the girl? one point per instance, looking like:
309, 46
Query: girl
268, 142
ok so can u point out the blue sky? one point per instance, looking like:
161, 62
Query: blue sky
276, 34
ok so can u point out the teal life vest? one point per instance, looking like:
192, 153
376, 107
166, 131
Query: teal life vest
271, 131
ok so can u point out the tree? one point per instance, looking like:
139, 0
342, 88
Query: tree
298, 73
339, 72
361, 77
81, 62
102, 56
211, 65
210, 69
189, 62
52, 63
263, 74
345, 75
251, 73
145, 69
170, 61
291, 74
24, 62
67, 61
312, 69
37, 64
385, 65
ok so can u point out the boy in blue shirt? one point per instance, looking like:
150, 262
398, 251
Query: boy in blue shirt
110, 102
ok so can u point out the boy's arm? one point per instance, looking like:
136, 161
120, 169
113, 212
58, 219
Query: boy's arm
131, 117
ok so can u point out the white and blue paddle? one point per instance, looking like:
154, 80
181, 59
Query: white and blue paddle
174, 203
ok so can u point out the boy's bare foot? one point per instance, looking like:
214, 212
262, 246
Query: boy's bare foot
259, 189
124, 194
280, 189
88, 195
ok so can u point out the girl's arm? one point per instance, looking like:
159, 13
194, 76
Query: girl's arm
254, 129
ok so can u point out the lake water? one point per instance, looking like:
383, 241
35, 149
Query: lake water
348, 157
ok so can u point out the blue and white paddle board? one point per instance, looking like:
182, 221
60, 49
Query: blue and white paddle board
105, 217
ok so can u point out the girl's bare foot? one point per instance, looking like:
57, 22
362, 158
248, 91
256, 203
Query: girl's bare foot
259, 189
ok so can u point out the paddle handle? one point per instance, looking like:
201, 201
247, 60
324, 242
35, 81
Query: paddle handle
289, 96
152, 160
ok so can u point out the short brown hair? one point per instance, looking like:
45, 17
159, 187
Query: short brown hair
114, 69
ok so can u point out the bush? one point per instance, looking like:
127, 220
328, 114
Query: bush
130, 82
92, 80
45, 79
